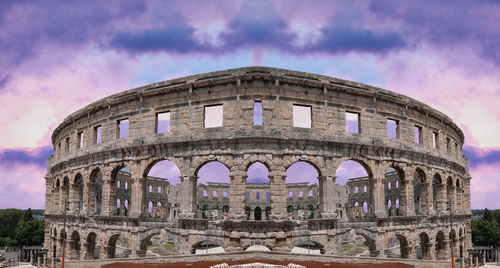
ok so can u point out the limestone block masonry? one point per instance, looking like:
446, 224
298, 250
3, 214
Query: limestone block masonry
424, 157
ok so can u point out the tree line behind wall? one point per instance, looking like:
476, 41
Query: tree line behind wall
21, 227
486, 229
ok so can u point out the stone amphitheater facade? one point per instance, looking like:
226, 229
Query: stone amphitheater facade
429, 175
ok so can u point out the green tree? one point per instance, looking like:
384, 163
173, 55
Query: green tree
485, 233
8, 221
487, 215
29, 233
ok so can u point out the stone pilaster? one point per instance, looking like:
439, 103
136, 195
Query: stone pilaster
108, 193
278, 193
377, 203
237, 194
406, 201
188, 199
138, 194
441, 198
426, 198
327, 200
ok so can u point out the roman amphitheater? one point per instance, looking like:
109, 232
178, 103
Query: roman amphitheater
103, 203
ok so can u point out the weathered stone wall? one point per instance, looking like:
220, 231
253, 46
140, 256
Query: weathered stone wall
85, 174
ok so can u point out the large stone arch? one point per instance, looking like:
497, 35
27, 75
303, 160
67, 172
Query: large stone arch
152, 161
75, 245
199, 161
318, 162
363, 161
251, 159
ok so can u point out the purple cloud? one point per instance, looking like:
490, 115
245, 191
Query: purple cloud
459, 24
37, 157
479, 157
33, 26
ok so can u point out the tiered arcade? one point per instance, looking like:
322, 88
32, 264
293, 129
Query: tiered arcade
417, 176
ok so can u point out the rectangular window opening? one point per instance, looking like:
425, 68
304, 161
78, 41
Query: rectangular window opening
268, 195
97, 134
213, 116
418, 134
205, 193
310, 193
435, 143
448, 145
301, 194
79, 143
224, 194
290, 194
302, 116
257, 195
163, 122
122, 128
392, 128
257, 113
352, 122
214, 194
247, 195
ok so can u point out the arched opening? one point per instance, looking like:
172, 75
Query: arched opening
308, 247
357, 244
423, 248
75, 246
437, 192
213, 181
352, 174
420, 192
95, 192
157, 245
117, 247
206, 247
78, 193
459, 196
398, 247
162, 180
453, 242
63, 239
258, 191
302, 186
393, 179
65, 191
120, 182
92, 249
440, 246
257, 213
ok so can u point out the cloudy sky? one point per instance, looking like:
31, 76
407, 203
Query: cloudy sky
57, 56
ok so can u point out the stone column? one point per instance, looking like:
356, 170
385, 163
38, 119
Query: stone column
377, 202
188, 196
138, 194
451, 197
441, 197
86, 196
236, 194
381, 245
48, 194
108, 193
431, 252
73, 198
277, 176
466, 195
406, 201
426, 198
327, 196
